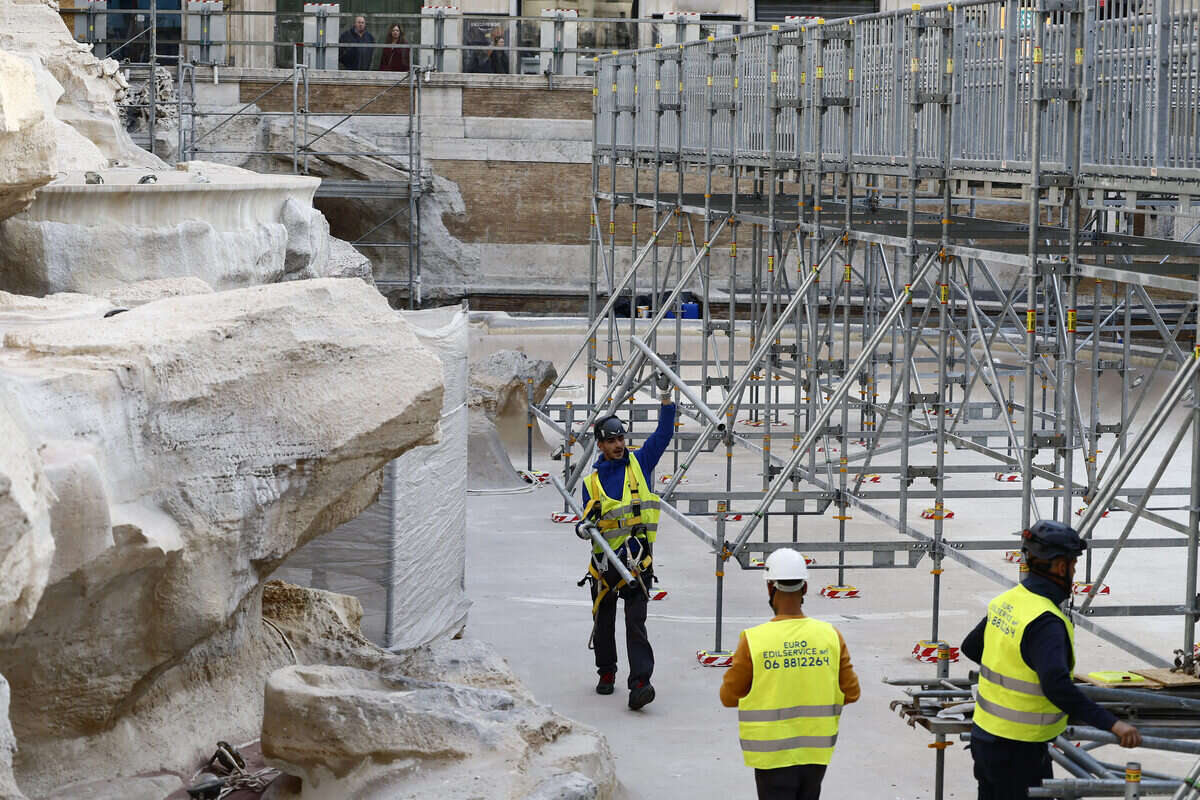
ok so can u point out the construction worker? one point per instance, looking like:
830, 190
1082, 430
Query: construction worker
789, 679
617, 500
1025, 647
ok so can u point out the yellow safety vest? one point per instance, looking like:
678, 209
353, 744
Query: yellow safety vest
795, 702
637, 506
1011, 703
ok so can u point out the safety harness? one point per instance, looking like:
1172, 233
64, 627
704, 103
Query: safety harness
633, 550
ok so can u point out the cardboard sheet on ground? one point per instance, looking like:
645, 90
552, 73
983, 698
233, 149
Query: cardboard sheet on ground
404, 557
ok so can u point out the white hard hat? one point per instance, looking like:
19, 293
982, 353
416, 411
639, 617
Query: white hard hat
786, 565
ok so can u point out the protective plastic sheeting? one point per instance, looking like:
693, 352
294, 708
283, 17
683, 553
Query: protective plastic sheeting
404, 557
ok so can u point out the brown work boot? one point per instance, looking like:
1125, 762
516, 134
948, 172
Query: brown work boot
607, 683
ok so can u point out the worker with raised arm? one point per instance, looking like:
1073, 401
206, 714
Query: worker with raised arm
789, 679
1025, 647
617, 500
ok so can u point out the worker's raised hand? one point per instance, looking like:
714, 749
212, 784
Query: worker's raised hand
664, 386
1129, 735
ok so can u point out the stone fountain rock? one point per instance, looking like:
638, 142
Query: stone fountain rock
188, 446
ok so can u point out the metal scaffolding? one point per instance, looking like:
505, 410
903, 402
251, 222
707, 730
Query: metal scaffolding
308, 132
876, 163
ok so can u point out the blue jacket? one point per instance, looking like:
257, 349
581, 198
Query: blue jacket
612, 473
1046, 648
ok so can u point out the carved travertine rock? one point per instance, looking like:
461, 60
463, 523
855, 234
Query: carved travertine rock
191, 443
446, 720
26, 141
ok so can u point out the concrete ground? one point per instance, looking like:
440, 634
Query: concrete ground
521, 574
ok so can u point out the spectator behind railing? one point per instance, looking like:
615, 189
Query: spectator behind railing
356, 57
395, 59
494, 60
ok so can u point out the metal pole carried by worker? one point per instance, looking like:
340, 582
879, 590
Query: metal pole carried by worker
617, 500
789, 679
1025, 647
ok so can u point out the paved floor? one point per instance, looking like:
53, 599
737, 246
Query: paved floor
521, 576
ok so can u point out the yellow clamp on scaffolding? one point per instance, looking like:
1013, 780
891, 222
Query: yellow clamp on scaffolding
820, 72
944, 291
774, 76
844, 462
848, 273
949, 66
803, 78
850, 75
706, 247
733, 250
1196, 353
633, 226
767, 442
1030, 321
938, 571
635, 90
709, 79
845, 238
735, 82
1038, 57
657, 83
614, 87
908, 292
1071, 318
678, 237
1133, 774
1079, 56
770, 263
591, 219
914, 65
612, 228
595, 92
816, 268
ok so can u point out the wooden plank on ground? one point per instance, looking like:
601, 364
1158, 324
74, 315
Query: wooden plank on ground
1167, 678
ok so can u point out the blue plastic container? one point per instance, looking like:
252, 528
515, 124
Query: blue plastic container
690, 311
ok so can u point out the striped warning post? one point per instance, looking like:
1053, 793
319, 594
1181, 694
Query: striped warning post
871, 477
1007, 477
1083, 587
1014, 556
536, 477
559, 516
664, 479
932, 513
658, 594
927, 652
839, 592
728, 517
714, 658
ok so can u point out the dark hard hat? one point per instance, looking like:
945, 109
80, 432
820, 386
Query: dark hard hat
609, 427
1049, 539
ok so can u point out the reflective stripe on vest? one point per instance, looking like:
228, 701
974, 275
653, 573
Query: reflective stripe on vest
1011, 702
791, 714
617, 517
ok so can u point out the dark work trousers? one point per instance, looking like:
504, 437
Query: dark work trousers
799, 782
1006, 769
637, 642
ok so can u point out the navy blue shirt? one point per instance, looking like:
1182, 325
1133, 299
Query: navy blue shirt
612, 473
1046, 648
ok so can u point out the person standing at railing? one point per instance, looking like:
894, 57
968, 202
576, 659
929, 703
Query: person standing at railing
356, 56
395, 58
494, 60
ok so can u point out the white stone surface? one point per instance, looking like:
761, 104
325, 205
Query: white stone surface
77, 90
26, 140
217, 433
222, 225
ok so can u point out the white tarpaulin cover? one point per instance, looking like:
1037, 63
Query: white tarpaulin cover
404, 557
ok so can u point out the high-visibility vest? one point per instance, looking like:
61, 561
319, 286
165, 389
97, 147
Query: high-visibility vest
636, 506
1011, 703
795, 702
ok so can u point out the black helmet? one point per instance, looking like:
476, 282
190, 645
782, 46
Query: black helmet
1049, 539
609, 427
